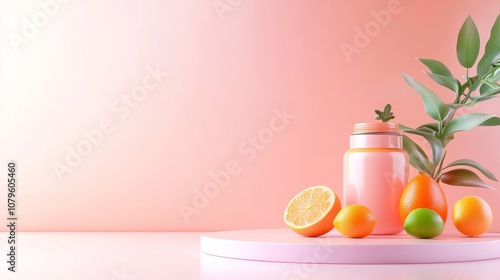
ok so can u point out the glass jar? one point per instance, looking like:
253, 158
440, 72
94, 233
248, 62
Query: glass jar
376, 172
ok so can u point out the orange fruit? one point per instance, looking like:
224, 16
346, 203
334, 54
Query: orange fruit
311, 212
422, 192
472, 215
355, 221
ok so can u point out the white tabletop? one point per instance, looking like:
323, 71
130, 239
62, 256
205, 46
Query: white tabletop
283, 245
149, 256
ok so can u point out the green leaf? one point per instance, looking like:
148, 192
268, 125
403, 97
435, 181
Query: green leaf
491, 122
465, 122
436, 145
386, 115
436, 67
484, 88
488, 90
404, 128
463, 177
447, 139
445, 81
477, 99
455, 106
494, 74
469, 104
474, 82
429, 128
468, 43
474, 164
434, 106
433, 126
491, 51
491, 84
417, 156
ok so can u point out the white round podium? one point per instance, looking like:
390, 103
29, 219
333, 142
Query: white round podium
283, 245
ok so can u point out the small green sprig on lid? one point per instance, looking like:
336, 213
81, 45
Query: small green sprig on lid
385, 115
471, 91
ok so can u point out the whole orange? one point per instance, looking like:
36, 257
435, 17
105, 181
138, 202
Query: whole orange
355, 221
422, 192
472, 215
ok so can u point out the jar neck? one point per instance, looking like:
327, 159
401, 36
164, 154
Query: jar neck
376, 135
374, 140
376, 127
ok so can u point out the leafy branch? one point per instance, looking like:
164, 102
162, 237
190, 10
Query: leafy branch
473, 90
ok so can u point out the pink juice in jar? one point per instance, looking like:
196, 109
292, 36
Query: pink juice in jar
376, 172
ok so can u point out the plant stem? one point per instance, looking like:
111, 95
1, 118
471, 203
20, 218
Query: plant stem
469, 87
437, 173
457, 99
440, 128
466, 96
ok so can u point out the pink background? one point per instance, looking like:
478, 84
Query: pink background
229, 73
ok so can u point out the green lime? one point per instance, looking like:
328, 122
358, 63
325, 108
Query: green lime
424, 223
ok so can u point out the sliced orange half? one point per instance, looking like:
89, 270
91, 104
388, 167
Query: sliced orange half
312, 211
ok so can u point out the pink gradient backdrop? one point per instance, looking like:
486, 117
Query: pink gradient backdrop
227, 77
